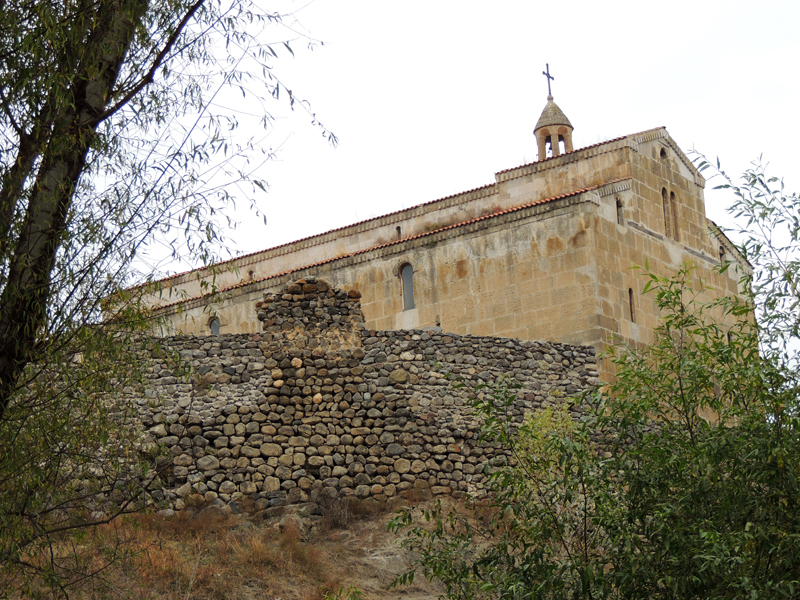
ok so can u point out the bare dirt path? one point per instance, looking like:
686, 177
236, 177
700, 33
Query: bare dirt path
369, 558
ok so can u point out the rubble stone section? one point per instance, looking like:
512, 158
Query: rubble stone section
309, 314
318, 406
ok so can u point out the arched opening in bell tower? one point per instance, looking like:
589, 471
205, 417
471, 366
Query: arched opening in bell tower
553, 132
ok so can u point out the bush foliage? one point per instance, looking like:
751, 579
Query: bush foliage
680, 480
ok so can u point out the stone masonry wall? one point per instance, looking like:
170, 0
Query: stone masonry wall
317, 405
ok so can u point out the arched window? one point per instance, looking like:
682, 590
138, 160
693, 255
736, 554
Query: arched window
721, 254
620, 212
663, 153
399, 232
407, 275
630, 305
213, 324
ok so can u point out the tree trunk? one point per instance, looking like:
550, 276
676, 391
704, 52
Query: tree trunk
78, 112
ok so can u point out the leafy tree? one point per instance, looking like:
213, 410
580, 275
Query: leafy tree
529, 539
116, 150
681, 478
767, 220
706, 459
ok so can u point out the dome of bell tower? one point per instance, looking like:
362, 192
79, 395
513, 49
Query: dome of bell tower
552, 115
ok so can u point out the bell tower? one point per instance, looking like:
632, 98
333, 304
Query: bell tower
553, 127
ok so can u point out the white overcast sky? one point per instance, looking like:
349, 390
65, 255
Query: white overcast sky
431, 98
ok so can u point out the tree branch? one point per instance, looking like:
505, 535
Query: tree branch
159, 59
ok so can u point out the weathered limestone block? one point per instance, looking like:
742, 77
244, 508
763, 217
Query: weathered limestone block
250, 452
248, 487
418, 466
207, 463
271, 484
271, 450
183, 460
395, 450
398, 376
227, 487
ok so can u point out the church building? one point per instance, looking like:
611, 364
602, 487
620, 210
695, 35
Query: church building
544, 252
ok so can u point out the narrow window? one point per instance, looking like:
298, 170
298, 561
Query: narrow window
667, 213
214, 325
630, 305
721, 254
407, 275
673, 211
250, 275
620, 213
399, 234
663, 153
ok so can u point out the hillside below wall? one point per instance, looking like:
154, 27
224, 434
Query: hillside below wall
317, 405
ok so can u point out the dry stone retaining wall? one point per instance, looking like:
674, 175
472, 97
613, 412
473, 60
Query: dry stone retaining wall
319, 406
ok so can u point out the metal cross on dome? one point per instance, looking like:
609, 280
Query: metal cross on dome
549, 78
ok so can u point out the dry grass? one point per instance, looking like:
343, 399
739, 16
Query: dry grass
212, 555
220, 557
209, 556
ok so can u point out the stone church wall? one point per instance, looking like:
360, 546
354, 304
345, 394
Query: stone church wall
318, 405
584, 168
560, 268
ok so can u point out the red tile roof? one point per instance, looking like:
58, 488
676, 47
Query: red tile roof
396, 212
485, 187
395, 242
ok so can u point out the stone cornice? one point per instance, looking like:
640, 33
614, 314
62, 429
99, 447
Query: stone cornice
615, 188
566, 201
